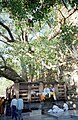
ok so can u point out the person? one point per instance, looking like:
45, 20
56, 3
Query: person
52, 91
46, 91
7, 110
33, 93
14, 107
56, 109
2, 105
65, 106
20, 105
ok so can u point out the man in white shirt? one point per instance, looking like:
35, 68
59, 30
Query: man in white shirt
14, 107
46, 91
20, 105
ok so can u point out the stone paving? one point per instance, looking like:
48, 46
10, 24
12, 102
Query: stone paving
28, 116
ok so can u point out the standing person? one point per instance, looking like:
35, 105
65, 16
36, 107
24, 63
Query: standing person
14, 107
2, 105
8, 106
20, 105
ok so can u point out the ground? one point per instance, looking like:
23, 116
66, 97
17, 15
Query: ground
28, 116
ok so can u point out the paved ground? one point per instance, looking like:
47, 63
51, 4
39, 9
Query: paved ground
28, 116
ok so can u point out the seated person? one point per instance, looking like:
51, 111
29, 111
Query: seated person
33, 93
65, 106
46, 91
51, 88
52, 91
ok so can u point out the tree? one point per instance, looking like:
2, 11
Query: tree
32, 18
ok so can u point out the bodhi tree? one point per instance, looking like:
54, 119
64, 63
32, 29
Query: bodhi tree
38, 26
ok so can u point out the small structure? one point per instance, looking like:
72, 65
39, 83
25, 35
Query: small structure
30, 91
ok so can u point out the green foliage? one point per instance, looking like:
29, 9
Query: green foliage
68, 34
26, 14
38, 9
17, 8
69, 4
19, 57
74, 3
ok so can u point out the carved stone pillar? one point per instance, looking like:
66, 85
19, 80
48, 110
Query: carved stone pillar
29, 92
16, 89
40, 87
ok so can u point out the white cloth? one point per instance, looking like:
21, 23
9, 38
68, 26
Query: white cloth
56, 109
50, 111
65, 106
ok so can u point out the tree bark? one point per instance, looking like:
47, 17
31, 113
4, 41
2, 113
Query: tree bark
10, 74
11, 36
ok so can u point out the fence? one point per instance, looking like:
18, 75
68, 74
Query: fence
30, 91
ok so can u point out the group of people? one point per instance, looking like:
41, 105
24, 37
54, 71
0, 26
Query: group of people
17, 107
12, 107
48, 92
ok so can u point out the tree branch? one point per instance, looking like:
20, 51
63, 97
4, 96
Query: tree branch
65, 18
10, 74
3, 60
5, 42
5, 37
3, 25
